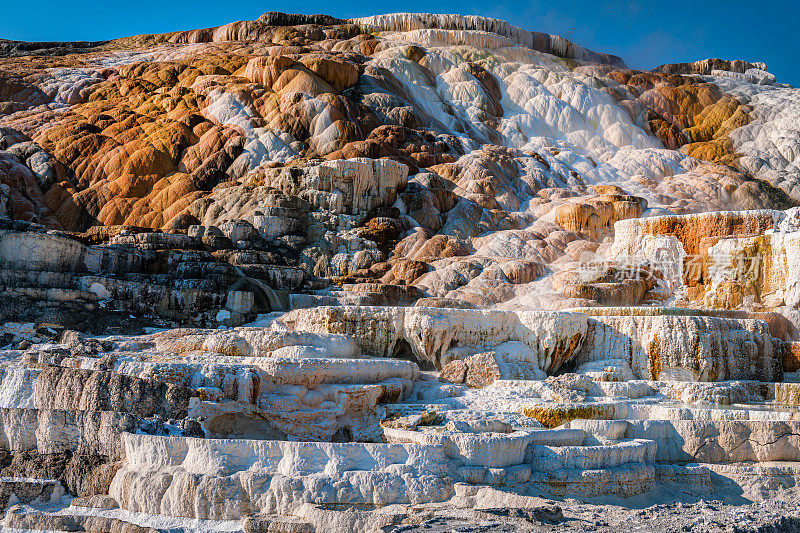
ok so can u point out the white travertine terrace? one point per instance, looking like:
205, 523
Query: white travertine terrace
275, 477
431, 333
685, 348
409, 22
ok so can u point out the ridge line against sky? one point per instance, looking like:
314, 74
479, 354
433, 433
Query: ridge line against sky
645, 34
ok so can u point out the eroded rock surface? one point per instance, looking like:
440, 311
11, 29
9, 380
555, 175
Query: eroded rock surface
403, 272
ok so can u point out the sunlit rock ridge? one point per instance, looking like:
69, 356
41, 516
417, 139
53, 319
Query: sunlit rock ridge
406, 271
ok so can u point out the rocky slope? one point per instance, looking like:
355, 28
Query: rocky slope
404, 271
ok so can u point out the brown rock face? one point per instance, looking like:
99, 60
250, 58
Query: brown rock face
606, 285
521, 271
482, 370
454, 372
791, 357
311, 74
691, 231
697, 233
593, 216
476, 371
92, 390
405, 272
705, 66
440, 246
444, 302
404, 143
683, 111
261, 121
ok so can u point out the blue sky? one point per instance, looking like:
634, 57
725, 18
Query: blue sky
643, 33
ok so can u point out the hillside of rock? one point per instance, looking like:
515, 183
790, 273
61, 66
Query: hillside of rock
304, 273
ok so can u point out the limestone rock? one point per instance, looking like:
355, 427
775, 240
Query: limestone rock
427, 334
482, 369
685, 348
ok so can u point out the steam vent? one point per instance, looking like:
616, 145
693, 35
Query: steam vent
400, 273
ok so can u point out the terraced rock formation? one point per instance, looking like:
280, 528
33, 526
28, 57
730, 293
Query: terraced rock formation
404, 272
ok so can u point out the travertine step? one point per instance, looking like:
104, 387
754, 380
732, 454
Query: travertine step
558, 437
787, 393
624, 480
29, 490
276, 276
546, 458
427, 334
30, 520
304, 301
35, 278
58, 431
203, 269
180, 476
758, 479
274, 523
84, 390
703, 413
149, 297
695, 477
697, 348
55, 294
735, 441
